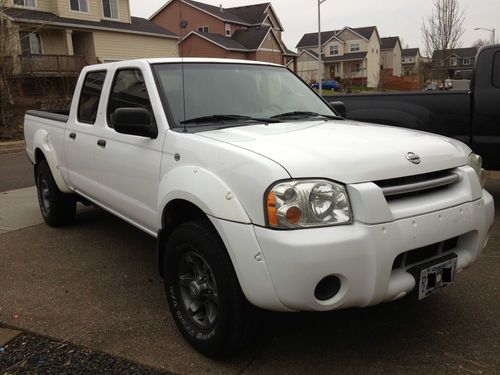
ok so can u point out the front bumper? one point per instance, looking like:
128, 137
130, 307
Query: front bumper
279, 270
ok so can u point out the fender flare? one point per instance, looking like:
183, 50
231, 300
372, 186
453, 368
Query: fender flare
203, 189
41, 142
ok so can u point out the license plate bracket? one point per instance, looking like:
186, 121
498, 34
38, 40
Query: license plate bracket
434, 275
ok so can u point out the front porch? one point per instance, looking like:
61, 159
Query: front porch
353, 72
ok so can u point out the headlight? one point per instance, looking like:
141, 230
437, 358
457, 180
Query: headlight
306, 204
476, 162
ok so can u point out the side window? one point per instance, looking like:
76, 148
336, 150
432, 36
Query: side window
128, 90
90, 96
496, 70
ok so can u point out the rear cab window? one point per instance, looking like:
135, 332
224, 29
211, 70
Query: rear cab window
496, 70
128, 91
90, 96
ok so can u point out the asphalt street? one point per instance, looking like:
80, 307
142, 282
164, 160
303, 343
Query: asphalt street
16, 171
95, 284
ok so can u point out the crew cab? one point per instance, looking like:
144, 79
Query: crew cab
259, 194
471, 116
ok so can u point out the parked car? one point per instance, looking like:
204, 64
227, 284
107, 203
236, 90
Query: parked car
471, 116
329, 84
463, 74
257, 192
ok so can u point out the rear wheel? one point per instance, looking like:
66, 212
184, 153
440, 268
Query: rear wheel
57, 208
203, 292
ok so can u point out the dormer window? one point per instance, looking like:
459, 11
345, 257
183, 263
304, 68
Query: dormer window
79, 5
228, 29
25, 3
110, 9
334, 50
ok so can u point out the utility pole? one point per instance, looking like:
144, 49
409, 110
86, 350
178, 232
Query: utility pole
320, 62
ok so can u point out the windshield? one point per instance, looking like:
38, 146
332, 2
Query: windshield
235, 92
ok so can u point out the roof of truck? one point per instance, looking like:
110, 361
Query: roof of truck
173, 60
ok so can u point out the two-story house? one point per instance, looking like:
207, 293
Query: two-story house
251, 32
411, 61
56, 38
351, 54
391, 50
455, 63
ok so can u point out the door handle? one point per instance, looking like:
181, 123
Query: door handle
72, 135
101, 142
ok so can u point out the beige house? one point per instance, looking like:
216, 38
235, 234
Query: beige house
411, 61
58, 37
391, 52
351, 54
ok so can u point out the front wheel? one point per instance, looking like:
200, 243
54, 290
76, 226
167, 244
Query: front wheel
57, 208
203, 292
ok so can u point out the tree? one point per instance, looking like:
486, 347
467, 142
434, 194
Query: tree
480, 42
443, 29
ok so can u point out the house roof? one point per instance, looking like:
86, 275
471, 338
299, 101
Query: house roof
254, 14
311, 39
389, 42
460, 52
222, 41
248, 15
137, 25
251, 38
243, 40
410, 52
346, 57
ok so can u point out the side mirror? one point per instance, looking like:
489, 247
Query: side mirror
339, 107
134, 121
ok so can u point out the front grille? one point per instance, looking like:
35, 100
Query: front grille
415, 256
412, 185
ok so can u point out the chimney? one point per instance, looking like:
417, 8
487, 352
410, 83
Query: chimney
220, 7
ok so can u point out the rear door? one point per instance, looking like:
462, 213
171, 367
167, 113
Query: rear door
81, 138
129, 166
486, 110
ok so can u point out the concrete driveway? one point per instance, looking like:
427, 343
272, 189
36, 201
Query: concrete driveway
95, 284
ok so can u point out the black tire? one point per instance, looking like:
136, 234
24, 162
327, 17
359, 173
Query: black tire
57, 208
235, 317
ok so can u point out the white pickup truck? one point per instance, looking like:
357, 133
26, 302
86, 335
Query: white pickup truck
257, 192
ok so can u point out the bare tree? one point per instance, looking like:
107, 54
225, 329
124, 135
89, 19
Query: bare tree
480, 42
443, 29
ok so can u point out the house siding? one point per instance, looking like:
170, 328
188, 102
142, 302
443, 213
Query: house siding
42, 5
54, 42
373, 61
95, 11
120, 46
307, 67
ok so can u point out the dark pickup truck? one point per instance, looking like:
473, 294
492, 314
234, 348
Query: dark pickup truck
471, 116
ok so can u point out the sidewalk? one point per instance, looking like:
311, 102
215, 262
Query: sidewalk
11, 147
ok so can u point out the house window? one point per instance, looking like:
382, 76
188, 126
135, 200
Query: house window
25, 3
110, 9
334, 49
466, 61
356, 68
354, 47
79, 5
453, 61
203, 29
228, 29
409, 59
31, 43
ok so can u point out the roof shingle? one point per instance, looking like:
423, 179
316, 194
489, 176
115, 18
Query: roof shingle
137, 25
389, 42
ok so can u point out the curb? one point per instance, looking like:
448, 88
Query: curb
12, 147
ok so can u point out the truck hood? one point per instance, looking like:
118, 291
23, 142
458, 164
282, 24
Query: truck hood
345, 151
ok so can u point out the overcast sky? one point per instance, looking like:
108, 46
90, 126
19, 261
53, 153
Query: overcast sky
392, 17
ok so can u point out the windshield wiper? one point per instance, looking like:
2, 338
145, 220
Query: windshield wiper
214, 118
306, 114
